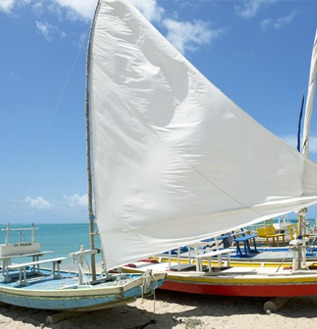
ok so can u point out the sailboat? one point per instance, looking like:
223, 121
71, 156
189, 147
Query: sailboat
193, 166
175, 161
24, 279
183, 161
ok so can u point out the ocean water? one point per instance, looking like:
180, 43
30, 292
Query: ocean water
61, 239
311, 222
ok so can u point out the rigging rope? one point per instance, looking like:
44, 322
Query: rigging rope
41, 144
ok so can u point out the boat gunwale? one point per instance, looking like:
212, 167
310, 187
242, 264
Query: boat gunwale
95, 290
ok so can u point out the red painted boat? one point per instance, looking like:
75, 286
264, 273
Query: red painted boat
249, 286
240, 279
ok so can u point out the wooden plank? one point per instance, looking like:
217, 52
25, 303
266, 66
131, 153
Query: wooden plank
245, 238
58, 317
182, 267
215, 253
36, 254
274, 304
53, 260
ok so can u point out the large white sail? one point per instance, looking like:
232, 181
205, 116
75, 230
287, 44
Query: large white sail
175, 160
310, 98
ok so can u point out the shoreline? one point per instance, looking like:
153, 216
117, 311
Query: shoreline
173, 310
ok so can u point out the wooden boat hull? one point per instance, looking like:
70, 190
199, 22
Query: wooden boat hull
240, 281
249, 288
50, 293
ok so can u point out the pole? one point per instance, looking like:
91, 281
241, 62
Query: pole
305, 147
90, 202
301, 243
310, 99
88, 153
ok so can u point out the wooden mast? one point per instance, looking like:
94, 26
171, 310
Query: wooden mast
88, 154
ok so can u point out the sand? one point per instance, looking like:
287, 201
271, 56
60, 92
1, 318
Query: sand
173, 310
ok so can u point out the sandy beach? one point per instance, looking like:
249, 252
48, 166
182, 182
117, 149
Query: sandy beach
173, 310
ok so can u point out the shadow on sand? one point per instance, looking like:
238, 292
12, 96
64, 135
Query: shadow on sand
170, 310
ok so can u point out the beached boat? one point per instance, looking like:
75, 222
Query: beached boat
175, 161
27, 283
231, 278
183, 161
196, 165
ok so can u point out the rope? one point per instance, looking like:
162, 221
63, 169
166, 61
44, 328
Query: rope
41, 145
153, 320
282, 261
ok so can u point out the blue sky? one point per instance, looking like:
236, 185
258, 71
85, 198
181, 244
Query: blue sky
257, 52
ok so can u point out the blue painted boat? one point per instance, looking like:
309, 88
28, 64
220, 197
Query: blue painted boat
174, 161
65, 294
24, 282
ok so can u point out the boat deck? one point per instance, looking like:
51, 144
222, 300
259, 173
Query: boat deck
45, 281
273, 256
276, 254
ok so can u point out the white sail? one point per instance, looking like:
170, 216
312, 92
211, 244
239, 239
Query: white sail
310, 98
175, 160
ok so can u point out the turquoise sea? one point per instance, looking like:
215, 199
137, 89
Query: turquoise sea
310, 222
61, 239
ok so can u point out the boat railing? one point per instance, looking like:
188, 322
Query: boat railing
190, 257
36, 269
6, 261
21, 229
296, 245
23, 246
19, 250
79, 258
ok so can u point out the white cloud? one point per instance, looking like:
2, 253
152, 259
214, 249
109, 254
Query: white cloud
279, 22
6, 5
292, 141
38, 7
250, 8
76, 200
78, 9
38, 203
266, 23
85, 9
185, 35
149, 9
45, 29
49, 31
